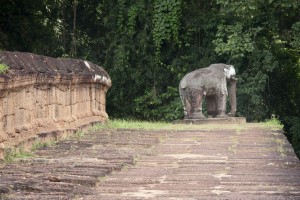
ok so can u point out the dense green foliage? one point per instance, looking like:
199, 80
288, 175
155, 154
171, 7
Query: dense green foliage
147, 46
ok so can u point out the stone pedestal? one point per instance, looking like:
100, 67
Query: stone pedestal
229, 120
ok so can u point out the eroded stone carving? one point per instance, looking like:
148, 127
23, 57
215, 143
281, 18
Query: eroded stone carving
214, 82
40, 94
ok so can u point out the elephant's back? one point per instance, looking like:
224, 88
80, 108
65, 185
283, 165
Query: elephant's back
194, 79
207, 77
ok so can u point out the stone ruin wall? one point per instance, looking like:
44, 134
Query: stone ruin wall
42, 96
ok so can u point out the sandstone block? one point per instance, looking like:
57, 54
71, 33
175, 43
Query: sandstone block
40, 94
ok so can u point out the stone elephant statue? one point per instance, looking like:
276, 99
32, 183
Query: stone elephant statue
214, 82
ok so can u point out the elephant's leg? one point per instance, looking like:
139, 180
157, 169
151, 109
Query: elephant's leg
188, 109
183, 100
211, 106
221, 106
197, 105
185, 95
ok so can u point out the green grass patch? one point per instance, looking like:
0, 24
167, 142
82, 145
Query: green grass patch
3, 68
79, 134
134, 124
40, 144
272, 123
146, 125
16, 153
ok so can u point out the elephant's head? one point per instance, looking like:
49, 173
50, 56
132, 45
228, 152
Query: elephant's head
229, 72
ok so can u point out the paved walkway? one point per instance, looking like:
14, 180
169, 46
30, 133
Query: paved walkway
252, 162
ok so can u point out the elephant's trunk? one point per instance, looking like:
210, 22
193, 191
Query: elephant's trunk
232, 97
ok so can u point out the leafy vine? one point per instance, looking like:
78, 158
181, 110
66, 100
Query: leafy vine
166, 22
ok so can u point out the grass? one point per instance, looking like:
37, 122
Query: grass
39, 144
146, 125
79, 134
13, 154
17, 153
135, 124
102, 178
272, 123
129, 124
3, 68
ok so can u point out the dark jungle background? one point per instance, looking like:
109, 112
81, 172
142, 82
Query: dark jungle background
148, 45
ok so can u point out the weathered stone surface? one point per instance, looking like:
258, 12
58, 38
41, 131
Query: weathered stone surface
40, 94
72, 167
229, 162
